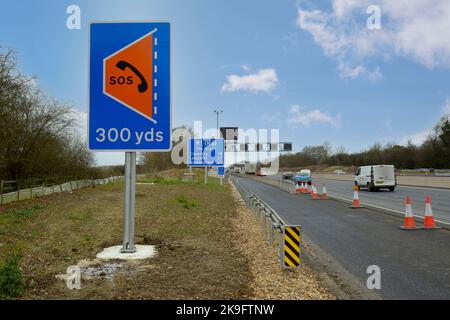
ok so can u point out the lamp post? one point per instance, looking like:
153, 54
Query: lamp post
218, 112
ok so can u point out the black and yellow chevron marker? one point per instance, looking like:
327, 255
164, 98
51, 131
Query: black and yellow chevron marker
291, 248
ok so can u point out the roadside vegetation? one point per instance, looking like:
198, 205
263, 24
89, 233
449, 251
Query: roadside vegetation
433, 153
12, 283
38, 136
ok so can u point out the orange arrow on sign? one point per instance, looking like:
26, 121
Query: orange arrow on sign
128, 76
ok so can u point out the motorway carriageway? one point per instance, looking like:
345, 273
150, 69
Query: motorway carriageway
344, 242
440, 198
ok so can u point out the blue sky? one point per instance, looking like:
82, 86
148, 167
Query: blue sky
310, 68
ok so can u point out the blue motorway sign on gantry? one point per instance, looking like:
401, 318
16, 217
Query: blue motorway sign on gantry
206, 152
129, 86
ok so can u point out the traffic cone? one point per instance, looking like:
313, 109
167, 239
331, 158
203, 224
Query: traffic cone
324, 195
355, 204
409, 223
314, 193
429, 223
306, 189
297, 189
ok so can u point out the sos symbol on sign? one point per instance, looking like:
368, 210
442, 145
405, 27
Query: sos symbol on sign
121, 80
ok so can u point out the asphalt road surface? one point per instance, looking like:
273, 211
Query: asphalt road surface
440, 198
414, 264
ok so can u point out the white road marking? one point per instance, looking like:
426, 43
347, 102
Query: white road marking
383, 208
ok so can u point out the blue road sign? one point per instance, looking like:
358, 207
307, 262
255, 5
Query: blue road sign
206, 152
221, 171
129, 87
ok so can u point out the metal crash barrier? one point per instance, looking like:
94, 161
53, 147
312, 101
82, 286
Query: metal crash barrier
273, 227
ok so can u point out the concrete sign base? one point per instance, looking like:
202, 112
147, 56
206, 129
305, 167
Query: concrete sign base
142, 252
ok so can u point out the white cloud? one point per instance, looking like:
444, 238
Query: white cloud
262, 81
302, 116
346, 71
342, 8
415, 29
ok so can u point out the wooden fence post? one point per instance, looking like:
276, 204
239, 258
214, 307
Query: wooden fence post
43, 188
18, 190
31, 189
1, 193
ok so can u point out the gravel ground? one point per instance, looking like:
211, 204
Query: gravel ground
270, 281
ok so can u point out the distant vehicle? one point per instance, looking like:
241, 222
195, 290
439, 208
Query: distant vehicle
237, 170
262, 172
250, 168
339, 172
303, 176
288, 175
376, 177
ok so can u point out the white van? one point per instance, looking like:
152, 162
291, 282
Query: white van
376, 177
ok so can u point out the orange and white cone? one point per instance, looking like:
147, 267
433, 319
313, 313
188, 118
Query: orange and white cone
314, 195
429, 223
324, 195
409, 223
302, 188
306, 189
355, 203
297, 189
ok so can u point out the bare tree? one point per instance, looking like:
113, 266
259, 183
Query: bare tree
36, 136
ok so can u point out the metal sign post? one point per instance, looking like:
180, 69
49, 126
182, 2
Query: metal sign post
130, 203
206, 175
